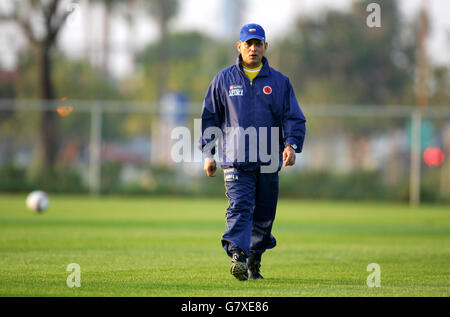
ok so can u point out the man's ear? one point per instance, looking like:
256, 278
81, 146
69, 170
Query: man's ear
238, 46
266, 45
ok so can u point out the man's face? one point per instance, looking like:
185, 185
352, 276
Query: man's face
252, 52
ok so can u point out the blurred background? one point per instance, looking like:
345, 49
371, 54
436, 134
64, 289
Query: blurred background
91, 90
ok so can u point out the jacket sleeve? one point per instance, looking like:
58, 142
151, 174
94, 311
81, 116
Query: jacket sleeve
294, 127
212, 117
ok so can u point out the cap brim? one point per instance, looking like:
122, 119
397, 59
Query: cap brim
250, 37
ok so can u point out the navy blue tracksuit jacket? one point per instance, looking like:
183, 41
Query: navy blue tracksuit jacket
253, 122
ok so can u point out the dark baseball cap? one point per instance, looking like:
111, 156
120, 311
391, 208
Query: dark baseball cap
252, 31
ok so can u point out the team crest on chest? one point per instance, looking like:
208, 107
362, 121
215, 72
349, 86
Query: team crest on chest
236, 90
267, 90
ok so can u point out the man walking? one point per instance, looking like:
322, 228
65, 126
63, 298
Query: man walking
251, 109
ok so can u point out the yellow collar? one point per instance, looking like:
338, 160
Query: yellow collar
252, 70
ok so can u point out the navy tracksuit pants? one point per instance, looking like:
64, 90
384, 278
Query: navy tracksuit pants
253, 200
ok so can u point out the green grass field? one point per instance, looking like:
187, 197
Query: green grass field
171, 247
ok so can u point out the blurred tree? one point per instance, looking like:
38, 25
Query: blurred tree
440, 86
7, 91
422, 62
41, 22
163, 11
130, 11
339, 59
79, 80
76, 80
109, 6
190, 67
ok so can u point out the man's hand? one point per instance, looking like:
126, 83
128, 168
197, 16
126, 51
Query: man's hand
210, 167
288, 156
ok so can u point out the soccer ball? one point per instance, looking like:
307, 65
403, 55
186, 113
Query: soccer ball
37, 201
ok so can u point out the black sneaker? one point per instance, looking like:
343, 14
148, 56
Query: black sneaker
254, 264
239, 266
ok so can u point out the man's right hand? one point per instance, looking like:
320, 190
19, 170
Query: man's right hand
210, 167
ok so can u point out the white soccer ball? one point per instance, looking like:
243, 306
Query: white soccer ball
37, 201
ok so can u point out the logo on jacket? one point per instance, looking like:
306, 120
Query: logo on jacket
236, 90
267, 90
